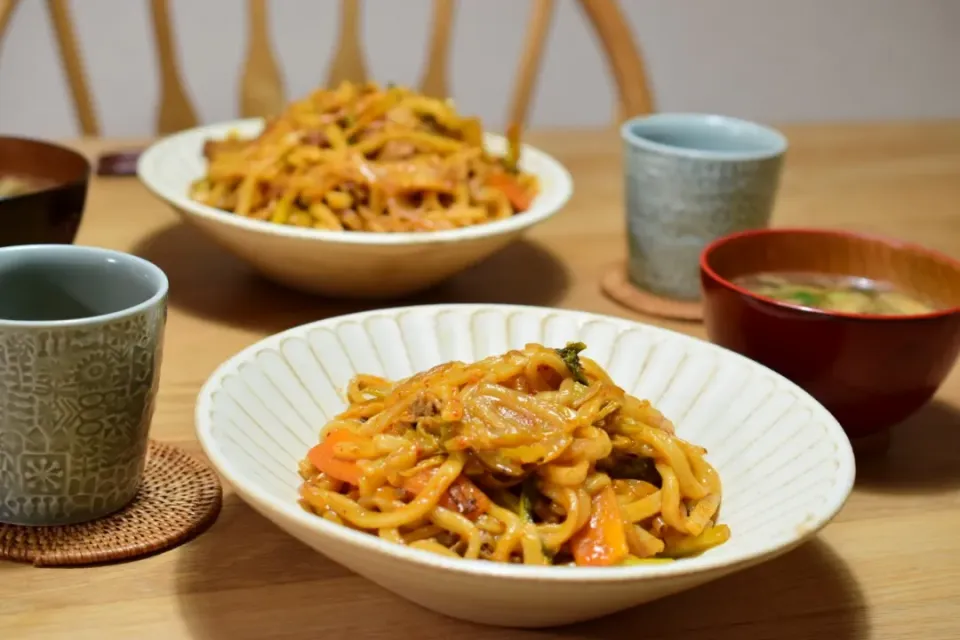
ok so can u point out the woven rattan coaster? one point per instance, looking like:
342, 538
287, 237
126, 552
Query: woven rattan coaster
617, 285
179, 498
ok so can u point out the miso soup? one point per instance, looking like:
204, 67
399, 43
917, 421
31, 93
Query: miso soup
846, 294
12, 186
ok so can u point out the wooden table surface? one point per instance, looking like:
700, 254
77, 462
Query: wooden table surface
888, 567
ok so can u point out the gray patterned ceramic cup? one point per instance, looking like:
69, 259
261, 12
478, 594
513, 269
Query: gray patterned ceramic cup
81, 337
690, 179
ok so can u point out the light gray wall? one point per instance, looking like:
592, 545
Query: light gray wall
774, 60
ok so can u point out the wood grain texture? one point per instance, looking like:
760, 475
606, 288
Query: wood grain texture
888, 567
72, 62
436, 76
623, 57
528, 71
261, 88
175, 111
348, 60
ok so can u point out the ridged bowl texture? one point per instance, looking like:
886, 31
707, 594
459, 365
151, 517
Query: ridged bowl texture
785, 463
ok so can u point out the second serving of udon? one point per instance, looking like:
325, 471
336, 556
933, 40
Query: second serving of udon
360, 157
534, 456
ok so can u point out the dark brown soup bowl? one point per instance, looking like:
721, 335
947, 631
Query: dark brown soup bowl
51, 213
870, 371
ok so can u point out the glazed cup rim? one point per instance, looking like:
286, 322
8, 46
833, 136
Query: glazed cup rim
775, 141
898, 245
158, 279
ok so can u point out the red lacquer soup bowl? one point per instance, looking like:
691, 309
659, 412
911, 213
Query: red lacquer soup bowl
49, 212
870, 371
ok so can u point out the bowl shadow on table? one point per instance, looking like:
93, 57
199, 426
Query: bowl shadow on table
260, 582
921, 456
208, 282
808, 593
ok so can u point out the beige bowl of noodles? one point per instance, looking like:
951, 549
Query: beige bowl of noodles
357, 264
451, 455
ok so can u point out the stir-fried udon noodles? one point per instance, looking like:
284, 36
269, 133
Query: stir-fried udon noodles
532, 456
366, 158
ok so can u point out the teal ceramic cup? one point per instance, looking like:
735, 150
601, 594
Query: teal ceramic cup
81, 338
689, 179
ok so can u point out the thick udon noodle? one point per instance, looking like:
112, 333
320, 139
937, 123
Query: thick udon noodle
367, 158
532, 456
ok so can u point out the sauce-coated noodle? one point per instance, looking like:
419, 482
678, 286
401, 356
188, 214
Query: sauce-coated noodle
532, 456
360, 157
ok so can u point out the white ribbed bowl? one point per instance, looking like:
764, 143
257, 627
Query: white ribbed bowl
341, 263
785, 463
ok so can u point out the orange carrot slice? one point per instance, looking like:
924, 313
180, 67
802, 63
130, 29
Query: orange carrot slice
517, 195
602, 541
324, 457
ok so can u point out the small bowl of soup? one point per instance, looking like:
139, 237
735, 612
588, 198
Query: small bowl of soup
869, 326
43, 189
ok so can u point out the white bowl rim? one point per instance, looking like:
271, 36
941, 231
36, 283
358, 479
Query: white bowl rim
551, 200
846, 470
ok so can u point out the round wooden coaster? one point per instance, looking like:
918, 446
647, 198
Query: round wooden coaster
617, 285
179, 498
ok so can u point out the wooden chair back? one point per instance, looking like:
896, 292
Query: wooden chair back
261, 88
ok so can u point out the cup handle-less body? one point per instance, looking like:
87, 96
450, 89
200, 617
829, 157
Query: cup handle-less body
690, 179
81, 343
75, 409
